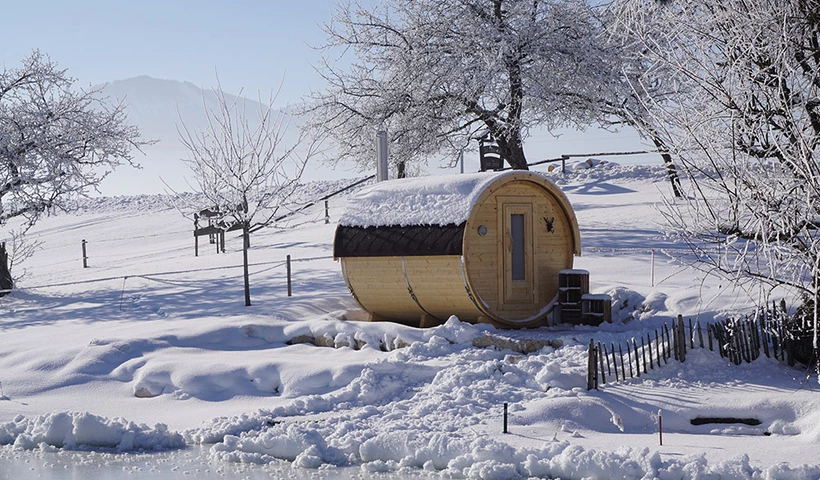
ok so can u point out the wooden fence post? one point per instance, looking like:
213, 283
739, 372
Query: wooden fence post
753, 327
657, 348
85, 255
720, 332
737, 346
677, 337
643, 355
783, 340
614, 362
327, 212
287, 262
709, 337
675, 346
598, 353
741, 344
738, 341
591, 366
691, 335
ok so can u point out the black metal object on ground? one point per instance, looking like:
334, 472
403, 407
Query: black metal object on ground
6, 282
724, 420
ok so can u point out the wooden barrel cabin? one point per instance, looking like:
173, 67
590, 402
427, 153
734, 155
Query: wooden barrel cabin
486, 247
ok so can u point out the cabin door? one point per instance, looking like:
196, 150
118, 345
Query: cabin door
517, 288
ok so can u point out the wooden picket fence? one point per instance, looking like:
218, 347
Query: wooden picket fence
642, 354
738, 340
765, 333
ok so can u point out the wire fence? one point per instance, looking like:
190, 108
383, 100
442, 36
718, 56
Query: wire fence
300, 216
157, 276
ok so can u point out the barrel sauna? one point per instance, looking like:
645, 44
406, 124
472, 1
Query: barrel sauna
486, 247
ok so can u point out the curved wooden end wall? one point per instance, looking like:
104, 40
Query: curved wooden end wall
553, 227
380, 285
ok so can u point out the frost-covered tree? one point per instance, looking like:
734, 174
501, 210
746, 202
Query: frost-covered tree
434, 73
744, 118
57, 140
244, 167
628, 82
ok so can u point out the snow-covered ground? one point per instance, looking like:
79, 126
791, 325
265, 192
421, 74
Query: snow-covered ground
151, 348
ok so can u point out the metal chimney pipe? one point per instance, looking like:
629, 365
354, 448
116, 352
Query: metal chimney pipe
381, 164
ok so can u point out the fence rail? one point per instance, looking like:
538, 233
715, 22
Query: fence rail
738, 340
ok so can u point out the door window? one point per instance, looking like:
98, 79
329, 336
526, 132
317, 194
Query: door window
518, 241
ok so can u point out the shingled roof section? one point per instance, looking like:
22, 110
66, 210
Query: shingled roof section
397, 241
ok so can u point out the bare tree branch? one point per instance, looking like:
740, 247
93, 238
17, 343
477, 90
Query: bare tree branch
433, 73
243, 166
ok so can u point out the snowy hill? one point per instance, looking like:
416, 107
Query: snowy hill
156, 107
96, 357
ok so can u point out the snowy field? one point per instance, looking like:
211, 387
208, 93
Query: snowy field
151, 348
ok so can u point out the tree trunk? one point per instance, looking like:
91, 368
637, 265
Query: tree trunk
246, 243
517, 160
512, 150
671, 171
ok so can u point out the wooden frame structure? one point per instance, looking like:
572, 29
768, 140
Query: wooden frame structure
214, 230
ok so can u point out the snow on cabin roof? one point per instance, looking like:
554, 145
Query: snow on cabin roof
436, 200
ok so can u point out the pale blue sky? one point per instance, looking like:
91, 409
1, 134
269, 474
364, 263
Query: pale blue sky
253, 43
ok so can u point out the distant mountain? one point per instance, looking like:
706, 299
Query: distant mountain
156, 107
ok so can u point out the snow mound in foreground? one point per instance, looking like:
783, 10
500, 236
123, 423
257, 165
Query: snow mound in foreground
436, 405
82, 430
